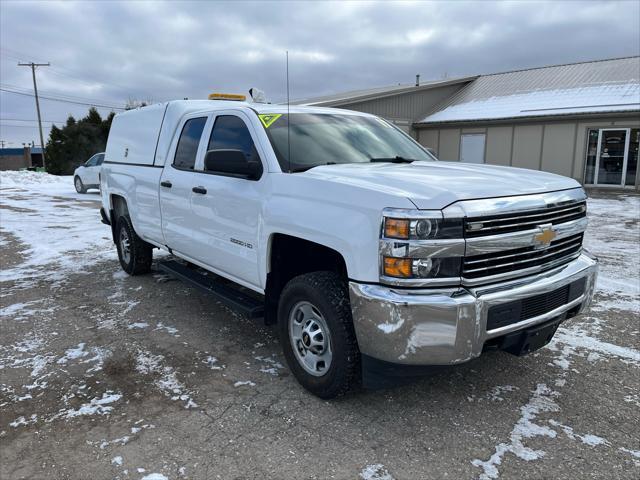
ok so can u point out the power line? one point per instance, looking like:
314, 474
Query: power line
57, 70
35, 89
91, 104
62, 96
29, 120
33, 127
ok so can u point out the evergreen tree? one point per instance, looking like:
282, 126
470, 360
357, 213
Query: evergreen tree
73, 144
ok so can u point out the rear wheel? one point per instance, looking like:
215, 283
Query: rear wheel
79, 186
135, 254
317, 335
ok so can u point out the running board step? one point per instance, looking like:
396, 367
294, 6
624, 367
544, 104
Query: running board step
217, 287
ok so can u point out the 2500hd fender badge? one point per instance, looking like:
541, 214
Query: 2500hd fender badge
240, 242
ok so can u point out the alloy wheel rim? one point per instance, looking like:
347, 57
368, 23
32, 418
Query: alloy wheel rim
310, 338
125, 246
78, 185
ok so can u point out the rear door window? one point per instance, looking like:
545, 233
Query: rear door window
231, 133
187, 148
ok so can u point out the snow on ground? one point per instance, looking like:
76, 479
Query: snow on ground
154, 476
167, 381
375, 472
59, 232
59, 236
614, 237
617, 244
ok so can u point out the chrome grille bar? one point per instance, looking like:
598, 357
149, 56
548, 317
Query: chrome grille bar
518, 252
517, 262
521, 260
481, 226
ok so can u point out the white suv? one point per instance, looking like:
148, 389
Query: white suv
88, 175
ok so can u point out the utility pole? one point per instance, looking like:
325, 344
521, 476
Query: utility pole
35, 89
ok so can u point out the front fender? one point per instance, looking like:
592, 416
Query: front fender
343, 218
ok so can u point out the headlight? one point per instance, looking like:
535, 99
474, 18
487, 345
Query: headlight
422, 228
416, 268
420, 245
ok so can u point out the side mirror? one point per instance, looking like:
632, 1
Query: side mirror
233, 163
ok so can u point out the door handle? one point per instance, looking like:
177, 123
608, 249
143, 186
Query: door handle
200, 190
166, 184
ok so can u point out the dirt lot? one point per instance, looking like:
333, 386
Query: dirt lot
108, 376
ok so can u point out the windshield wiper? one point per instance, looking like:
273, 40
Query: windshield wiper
396, 159
309, 167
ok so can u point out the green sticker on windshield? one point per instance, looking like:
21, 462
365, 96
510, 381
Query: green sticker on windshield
267, 119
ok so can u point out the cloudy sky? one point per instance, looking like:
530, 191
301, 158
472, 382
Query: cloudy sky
104, 53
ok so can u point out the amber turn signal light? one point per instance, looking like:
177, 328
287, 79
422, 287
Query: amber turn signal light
396, 228
397, 267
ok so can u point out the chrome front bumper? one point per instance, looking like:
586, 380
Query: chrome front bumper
448, 326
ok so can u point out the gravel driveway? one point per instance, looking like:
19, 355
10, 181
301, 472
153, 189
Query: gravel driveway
106, 376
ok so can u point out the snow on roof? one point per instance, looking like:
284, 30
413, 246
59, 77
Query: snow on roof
605, 98
590, 87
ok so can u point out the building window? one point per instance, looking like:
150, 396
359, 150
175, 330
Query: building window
632, 157
472, 148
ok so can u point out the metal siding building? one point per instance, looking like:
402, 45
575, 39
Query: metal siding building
402, 104
580, 120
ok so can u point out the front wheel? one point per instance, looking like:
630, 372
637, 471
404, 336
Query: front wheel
317, 335
135, 254
77, 182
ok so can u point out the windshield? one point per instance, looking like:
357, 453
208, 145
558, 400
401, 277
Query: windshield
327, 139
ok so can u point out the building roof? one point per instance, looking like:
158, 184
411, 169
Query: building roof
352, 96
7, 152
578, 88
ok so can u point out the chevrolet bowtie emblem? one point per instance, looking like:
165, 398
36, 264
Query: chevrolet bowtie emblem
545, 237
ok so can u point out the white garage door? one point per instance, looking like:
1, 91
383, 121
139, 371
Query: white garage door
472, 148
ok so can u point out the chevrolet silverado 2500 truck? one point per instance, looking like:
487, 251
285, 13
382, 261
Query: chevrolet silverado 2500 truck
374, 259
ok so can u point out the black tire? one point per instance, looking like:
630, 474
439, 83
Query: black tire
77, 182
136, 260
327, 292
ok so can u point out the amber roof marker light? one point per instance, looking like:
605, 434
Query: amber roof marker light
227, 96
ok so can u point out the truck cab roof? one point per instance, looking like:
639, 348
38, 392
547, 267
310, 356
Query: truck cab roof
143, 135
179, 108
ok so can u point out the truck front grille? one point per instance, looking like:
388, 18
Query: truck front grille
525, 220
523, 259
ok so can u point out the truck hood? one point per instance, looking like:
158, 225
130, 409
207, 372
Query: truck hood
435, 185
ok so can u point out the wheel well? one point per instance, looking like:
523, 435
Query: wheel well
119, 205
118, 209
292, 256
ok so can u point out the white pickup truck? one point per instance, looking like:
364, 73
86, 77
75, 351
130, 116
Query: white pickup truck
375, 260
